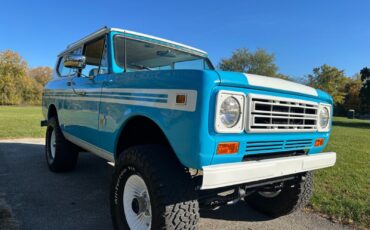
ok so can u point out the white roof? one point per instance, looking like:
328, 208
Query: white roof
159, 39
106, 30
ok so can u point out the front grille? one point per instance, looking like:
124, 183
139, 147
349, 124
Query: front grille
278, 114
256, 147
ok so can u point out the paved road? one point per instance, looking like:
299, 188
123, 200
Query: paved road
80, 199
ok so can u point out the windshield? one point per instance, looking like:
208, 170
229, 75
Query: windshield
142, 55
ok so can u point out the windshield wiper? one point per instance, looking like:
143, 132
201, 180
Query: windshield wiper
140, 66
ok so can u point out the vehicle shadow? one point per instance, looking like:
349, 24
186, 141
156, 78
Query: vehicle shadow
41, 199
236, 212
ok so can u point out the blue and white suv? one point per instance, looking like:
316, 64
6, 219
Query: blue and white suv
181, 134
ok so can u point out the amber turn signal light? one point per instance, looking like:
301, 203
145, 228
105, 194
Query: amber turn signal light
181, 99
228, 148
319, 142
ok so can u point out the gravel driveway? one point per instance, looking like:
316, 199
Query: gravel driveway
80, 199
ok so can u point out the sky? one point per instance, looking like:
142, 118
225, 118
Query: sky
301, 34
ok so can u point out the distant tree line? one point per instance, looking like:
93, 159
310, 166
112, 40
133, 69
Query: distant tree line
347, 92
20, 84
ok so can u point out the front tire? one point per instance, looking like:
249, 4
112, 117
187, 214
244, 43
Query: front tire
165, 196
293, 196
61, 155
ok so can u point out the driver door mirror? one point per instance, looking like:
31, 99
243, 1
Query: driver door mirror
75, 61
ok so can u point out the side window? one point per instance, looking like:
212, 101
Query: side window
93, 52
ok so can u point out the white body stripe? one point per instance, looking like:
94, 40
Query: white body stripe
97, 99
190, 105
276, 83
133, 96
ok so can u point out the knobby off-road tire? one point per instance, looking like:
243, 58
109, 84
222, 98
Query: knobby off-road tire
61, 155
172, 198
293, 196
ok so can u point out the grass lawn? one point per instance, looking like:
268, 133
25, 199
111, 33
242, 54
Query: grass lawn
343, 191
17, 122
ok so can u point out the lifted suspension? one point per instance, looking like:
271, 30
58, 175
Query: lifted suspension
214, 198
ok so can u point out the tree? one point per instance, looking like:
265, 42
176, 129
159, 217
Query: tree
242, 60
9, 91
12, 71
352, 99
11, 63
16, 86
365, 90
331, 80
41, 74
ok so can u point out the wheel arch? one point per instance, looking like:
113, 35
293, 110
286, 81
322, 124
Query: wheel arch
131, 134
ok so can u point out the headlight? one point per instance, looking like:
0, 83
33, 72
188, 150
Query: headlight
229, 112
324, 118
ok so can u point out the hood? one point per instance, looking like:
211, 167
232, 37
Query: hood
246, 80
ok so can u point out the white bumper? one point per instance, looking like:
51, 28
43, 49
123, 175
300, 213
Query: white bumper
221, 175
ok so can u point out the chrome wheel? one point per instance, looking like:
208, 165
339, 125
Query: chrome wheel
52, 144
136, 203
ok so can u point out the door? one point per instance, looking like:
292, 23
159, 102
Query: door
85, 88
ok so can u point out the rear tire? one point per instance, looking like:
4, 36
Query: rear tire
169, 193
293, 196
61, 155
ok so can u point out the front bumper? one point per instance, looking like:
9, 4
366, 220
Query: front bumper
221, 175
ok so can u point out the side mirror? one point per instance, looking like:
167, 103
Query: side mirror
75, 61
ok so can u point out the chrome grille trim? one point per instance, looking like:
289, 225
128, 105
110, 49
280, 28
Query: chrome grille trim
279, 114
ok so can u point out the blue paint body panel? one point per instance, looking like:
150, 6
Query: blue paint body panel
191, 134
175, 124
